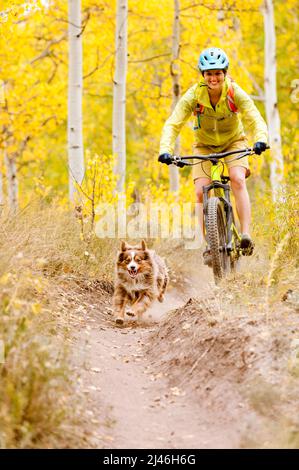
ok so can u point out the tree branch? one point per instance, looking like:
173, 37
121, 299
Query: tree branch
223, 8
47, 51
149, 58
97, 66
86, 19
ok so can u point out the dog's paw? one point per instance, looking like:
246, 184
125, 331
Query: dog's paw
161, 298
119, 321
131, 313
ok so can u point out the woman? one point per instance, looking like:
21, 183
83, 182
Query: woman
216, 102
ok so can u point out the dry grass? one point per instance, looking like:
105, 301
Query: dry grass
49, 238
40, 246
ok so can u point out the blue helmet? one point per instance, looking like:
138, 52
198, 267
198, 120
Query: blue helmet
213, 58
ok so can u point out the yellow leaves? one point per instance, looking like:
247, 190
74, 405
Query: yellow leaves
40, 188
19, 304
36, 308
39, 283
34, 53
21, 292
17, 10
100, 180
5, 278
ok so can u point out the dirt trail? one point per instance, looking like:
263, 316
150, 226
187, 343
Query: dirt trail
193, 375
141, 409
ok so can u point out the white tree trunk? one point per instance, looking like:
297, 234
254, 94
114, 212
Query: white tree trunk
119, 94
75, 136
12, 181
175, 73
2, 162
272, 113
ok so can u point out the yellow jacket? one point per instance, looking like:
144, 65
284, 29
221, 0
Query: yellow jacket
219, 127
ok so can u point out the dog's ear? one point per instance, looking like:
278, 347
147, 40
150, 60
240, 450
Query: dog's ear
123, 246
143, 245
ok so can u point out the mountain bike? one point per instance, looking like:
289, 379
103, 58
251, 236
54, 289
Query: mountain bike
220, 230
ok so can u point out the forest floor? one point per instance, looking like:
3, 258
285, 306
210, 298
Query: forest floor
205, 369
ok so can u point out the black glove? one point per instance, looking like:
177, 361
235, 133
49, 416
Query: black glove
259, 147
165, 158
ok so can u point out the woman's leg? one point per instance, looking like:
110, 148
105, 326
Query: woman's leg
237, 176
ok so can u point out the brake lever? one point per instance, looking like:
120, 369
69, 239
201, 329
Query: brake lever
177, 161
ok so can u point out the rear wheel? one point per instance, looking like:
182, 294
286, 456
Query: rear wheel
216, 237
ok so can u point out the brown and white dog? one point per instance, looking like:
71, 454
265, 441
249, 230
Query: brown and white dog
141, 277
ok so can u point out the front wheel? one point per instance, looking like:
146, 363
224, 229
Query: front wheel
215, 222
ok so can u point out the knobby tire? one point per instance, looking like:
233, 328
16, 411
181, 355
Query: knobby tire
216, 235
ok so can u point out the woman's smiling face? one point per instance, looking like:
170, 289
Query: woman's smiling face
214, 79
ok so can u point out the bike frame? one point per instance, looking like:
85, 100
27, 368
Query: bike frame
221, 188
222, 236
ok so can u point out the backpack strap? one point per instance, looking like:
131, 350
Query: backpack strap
198, 110
231, 99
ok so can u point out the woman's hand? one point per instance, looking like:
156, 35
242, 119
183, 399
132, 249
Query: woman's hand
259, 147
165, 158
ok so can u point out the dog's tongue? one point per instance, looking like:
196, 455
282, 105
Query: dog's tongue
132, 273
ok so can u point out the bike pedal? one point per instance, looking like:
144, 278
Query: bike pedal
247, 251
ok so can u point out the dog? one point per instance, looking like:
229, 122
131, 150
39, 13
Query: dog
141, 277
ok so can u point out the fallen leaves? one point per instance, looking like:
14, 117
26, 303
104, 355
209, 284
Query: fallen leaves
95, 369
177, 392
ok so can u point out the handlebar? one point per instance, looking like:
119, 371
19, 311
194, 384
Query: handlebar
212, 157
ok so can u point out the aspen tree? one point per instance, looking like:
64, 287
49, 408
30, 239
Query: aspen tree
12, 181
119, 93
75, 136
175, 73
9, 161
272, 112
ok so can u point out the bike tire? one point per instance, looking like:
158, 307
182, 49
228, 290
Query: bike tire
216, 236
